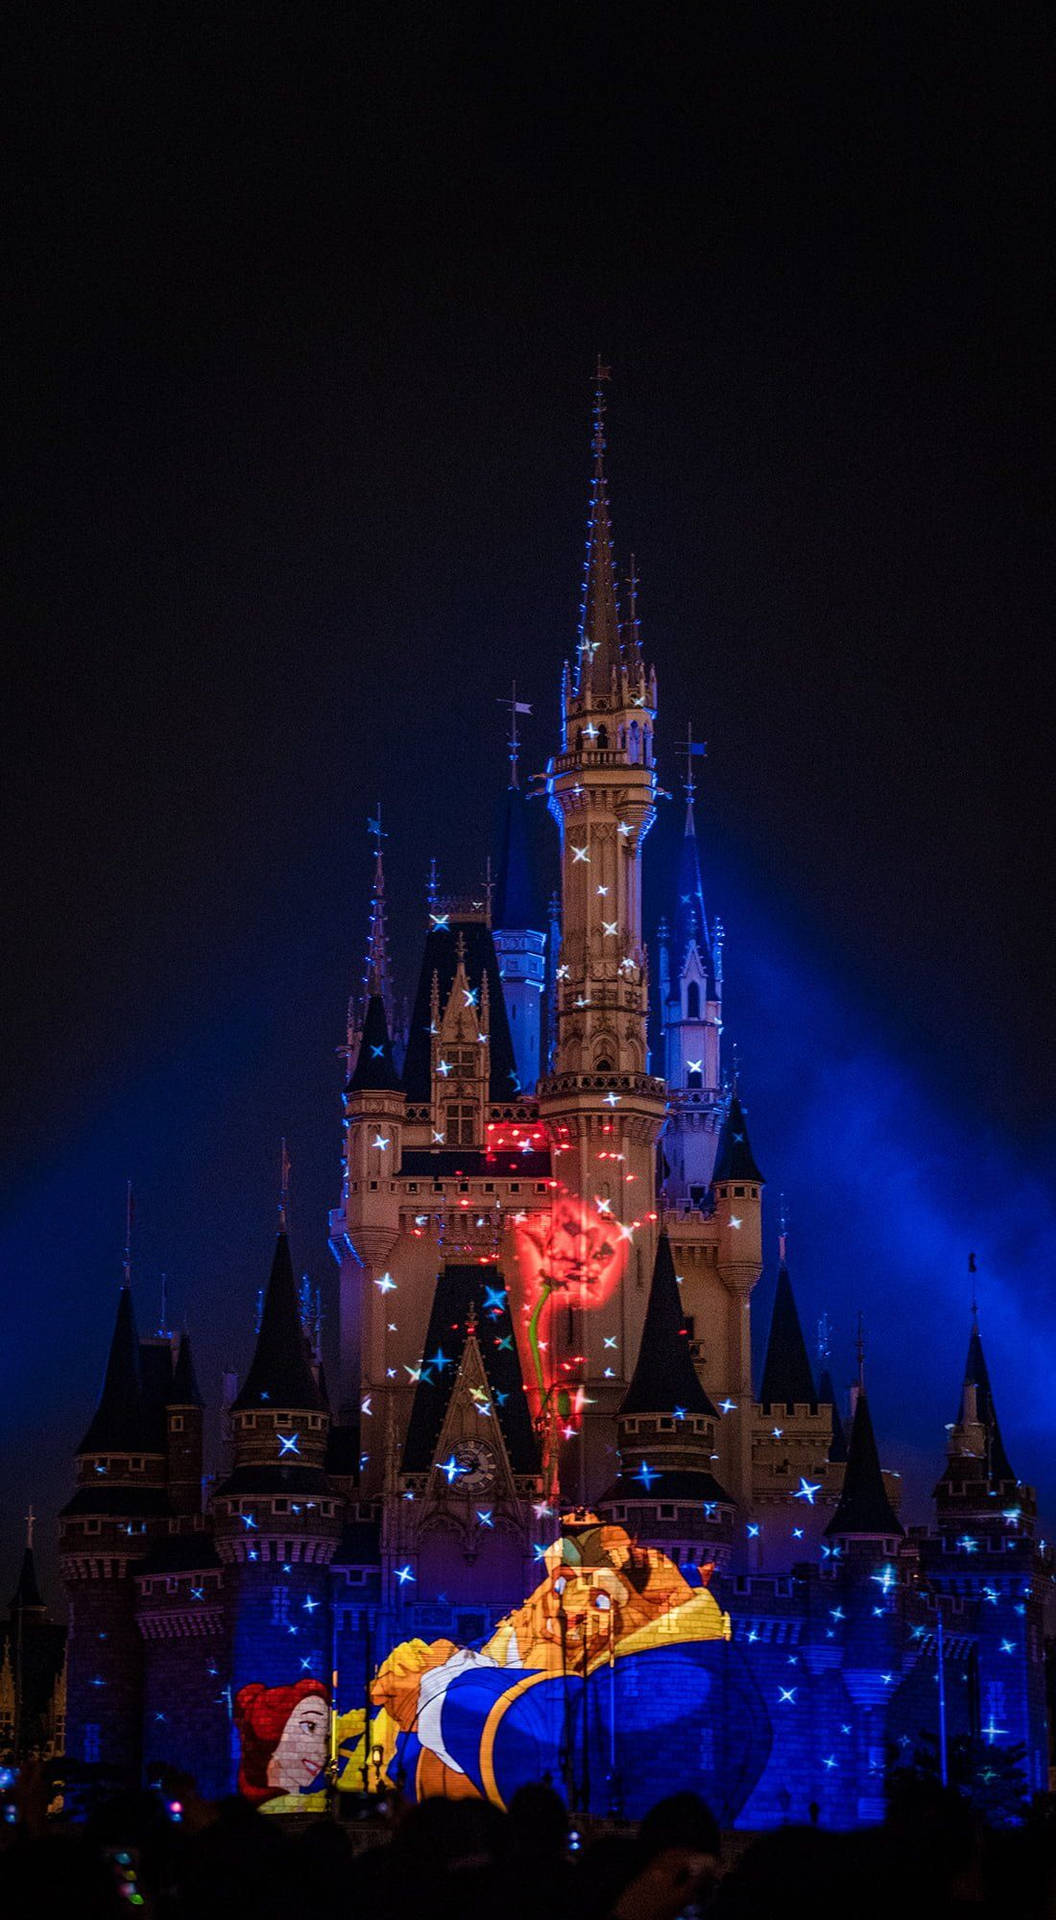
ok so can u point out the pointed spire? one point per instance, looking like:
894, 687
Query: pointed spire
665, 1377
375, 1067
787, 1377
977, 1376
632, 642
184, 1391
600, 651
691, 920
864, 1507
827, 1395
734, 1159
26, 1597
376, 979
118, 1423
280, 1374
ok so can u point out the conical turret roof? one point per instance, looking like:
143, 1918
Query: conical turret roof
977, 1375
26, 1597
375, 1068
864, 1507
665, 1377
734, 1159
184, 1390
118, 1422
280, 1374
787, 1377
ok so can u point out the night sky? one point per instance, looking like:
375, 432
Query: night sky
300, 310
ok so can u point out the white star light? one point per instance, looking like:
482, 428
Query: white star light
609, 927
380, 1140
603, 891
624, 828
727, 1406
438, 1141
443, 1067
612, 1099
734, 1221
581, 853
695, 1066
603, 1206
403, 1574
386, 1283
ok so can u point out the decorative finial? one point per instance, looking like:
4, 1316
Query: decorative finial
163, 1323
601, 374
284, 1186
735, 1049
127, 1260
31, 1521
972, 1269
693, 750
431, 884
782, 1224
860, 1351
515, 707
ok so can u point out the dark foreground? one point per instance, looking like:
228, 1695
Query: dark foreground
169, 1854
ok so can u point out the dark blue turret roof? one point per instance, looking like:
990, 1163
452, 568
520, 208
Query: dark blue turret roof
375, 1068
118, 1421
517, 901
977, 1375
787, 1377
864, 1507
462, 1293
734, 1159
184, 1390
441, 957
280, 1374
665, 1377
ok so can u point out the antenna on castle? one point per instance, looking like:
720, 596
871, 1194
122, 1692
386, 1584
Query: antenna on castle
489, 886
693, 750
127, 1260
972, 1269
284, 1187
31, 1520
782, 1229
163, 1323
515, 707
859, 1346
431, 884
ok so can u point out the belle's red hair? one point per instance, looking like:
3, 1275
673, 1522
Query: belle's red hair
261, 1714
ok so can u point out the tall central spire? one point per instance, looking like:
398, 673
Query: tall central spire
600, 651
376, 977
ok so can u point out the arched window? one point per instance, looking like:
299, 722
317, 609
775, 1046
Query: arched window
695, 1079
603, 738
603, 1066
693, 1001
632, 743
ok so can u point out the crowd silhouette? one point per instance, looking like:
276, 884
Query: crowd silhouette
170, 1855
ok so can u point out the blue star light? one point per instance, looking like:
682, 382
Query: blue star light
727, 1406
452, 1469
753, 1529
310, 1604
646, 1474
249, 1521
439, 1360
786, 1696
494, 1299
288, 1443
403, 1575
807, 1490
484, 1516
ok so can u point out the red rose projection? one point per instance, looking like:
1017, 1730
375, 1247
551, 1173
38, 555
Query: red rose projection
571, 1253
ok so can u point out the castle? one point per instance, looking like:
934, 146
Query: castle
544, 1452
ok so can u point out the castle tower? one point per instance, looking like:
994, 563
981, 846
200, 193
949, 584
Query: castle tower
364, 1228
184, 1412
519, 928
691, 1010
32, 1653
603, 1109
986, 1559
790, 1442
736, 1197
864, 1523
666, 1491
276, 1516
119, 1503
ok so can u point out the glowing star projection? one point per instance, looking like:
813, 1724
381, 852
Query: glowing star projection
283, 1734
616, 1663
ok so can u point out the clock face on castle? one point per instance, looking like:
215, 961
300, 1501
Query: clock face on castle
475, 1460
